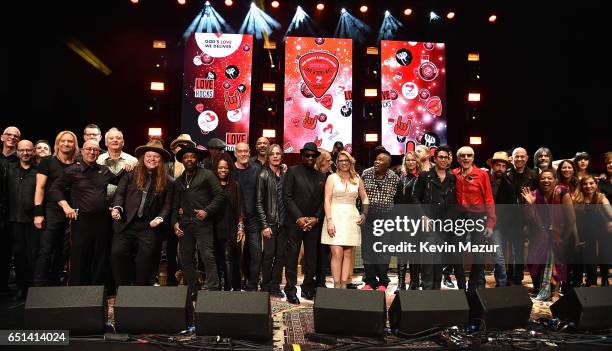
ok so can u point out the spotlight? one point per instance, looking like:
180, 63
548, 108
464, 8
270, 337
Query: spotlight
257, 22
155, 132
433, 16
492, 18
387, 13
473, 97
473, 57
268, 87
227, 3
268, 133
208, 3
343, 10
370, 92
450, 15
371, 137
363, 9
208, 20
303, 24
350, 26
475, 140
157, 86
408, 12
181, 2
159, 44
320, 6
389, 27
275, 4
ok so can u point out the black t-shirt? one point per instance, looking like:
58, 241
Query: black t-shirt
53, 168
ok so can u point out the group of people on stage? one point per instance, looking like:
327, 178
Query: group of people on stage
102, 215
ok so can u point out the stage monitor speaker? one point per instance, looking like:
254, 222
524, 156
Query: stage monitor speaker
413, 311
589, 308
234, 314
500, 308
79, 309
151, 309
350, 312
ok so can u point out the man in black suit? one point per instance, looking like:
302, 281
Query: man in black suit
143, 200
303, 192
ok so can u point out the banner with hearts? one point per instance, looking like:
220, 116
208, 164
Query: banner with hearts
417, 114
318, 91
217, 87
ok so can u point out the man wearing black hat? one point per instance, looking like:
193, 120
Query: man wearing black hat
215, 146
198, 197
303, 192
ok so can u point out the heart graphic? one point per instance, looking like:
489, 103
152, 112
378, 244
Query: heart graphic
327, 101
318, 70
199, 107
434, 106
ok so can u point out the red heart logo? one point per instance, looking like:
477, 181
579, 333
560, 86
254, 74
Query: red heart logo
327, 101
434, 106
318, 70
199, 108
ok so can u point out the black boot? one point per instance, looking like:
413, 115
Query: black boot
401, 277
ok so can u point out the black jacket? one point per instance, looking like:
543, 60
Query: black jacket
405, 187
20, 188
439, 196
505, 205
527, 179
303, 192
128, 197
267, 206
204, 193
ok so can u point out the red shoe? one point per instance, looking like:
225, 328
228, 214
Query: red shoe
367, 287
381, 288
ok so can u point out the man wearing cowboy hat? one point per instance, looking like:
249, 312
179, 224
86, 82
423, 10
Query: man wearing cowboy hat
142, 202
175, 167
505, 198
198, 197
303, 192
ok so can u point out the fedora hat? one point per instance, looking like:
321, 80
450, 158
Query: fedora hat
154, 145
200, 154
310, 146
182, 139
499, 156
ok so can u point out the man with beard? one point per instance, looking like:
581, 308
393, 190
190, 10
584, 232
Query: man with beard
475, 201
380, 185
504, 195
520, 176
197, 198
20, 185
261, 146
303, 192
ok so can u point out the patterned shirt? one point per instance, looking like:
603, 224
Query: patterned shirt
115, 166
380, 191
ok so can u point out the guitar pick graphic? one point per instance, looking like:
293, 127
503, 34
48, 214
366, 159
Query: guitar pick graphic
327, 101
199, 107
434, 106
319, 71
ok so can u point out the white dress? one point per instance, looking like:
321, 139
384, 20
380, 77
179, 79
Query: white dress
344, 214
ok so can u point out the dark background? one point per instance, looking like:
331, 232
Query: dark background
543, 67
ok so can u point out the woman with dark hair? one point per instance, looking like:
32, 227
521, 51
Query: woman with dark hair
410, 169
229, 224
142, 201
582, 160
594, 225
605, 181
566, 173
552, 225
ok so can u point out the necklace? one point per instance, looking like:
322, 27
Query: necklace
188, 181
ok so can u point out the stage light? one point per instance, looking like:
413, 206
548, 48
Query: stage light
150, 108
408, 12
474, 97
268, 87
208, 21
350, 27
268, 133
78, 48
134, 1
363, 9
475, 140
389, 27
227, 3
433, 16
269, 44
450, 15
181, 2
371, 138
303, 24
275, 4
370, 92
258, 23
492, 18
159, 44
157, 86
320, 6
473, 57
372, 50
155, 132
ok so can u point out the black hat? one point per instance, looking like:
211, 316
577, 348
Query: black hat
216, 143
156, 146
582, 156
380, 150
310, 146
200, 154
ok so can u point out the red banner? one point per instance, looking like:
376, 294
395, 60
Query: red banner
217, 87
413, 95
318, 92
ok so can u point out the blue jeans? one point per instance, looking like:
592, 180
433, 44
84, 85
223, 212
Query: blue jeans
498, 258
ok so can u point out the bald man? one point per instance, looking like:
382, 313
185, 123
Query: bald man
10, 137
261, 146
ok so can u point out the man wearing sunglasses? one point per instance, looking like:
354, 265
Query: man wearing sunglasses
303, 192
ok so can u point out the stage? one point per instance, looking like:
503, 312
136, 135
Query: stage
294, 325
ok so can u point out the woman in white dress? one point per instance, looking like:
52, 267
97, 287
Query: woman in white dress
341, 226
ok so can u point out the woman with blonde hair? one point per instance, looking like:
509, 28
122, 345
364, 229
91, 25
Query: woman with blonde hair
424, 157
341, 226
48, 215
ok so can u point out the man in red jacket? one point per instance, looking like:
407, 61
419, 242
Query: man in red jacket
475, 201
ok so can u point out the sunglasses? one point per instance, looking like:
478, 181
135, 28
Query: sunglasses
309, 155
